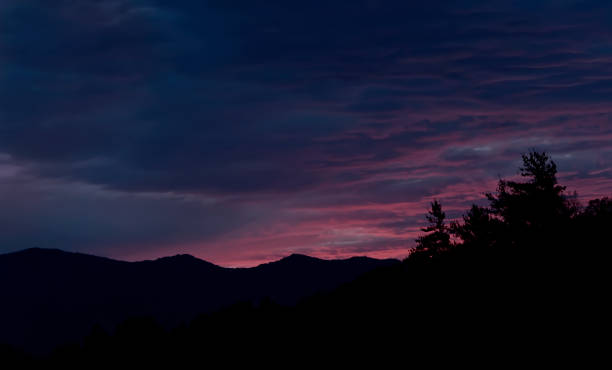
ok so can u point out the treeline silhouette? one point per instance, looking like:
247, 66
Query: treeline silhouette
521, 276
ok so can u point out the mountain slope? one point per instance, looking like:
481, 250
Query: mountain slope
51, 296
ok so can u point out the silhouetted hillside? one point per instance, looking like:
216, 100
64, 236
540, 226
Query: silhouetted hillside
522, 281
51, 296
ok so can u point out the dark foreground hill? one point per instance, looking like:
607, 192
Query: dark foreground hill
485, 307
523, 281
50, 297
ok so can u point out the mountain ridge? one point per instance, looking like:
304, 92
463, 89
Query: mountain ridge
53, 296
185, 257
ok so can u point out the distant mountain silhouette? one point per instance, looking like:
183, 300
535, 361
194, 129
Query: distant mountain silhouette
51, 296
524, 277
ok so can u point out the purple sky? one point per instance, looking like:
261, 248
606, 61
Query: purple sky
243, 131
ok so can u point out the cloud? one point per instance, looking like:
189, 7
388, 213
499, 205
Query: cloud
274, 108
78, 216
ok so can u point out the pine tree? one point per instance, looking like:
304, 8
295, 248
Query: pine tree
478, 228
533, 205
438, 238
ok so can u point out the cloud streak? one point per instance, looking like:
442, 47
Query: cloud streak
239, 131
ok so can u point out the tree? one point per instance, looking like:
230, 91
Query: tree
599, 209
534, 205
438, 238
478, 228
594, 224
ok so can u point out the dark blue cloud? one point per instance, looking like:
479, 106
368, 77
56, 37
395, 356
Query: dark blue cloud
303, 100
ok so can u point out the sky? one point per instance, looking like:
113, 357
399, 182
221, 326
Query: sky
243, 131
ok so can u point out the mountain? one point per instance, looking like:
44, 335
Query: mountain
51, 296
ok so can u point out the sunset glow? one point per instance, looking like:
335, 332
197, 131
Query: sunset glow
240, 132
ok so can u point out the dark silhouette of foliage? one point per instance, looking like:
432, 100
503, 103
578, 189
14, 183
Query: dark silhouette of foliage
478, 229
535, 204
599, 209
593, 226
469, 300
437, 240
